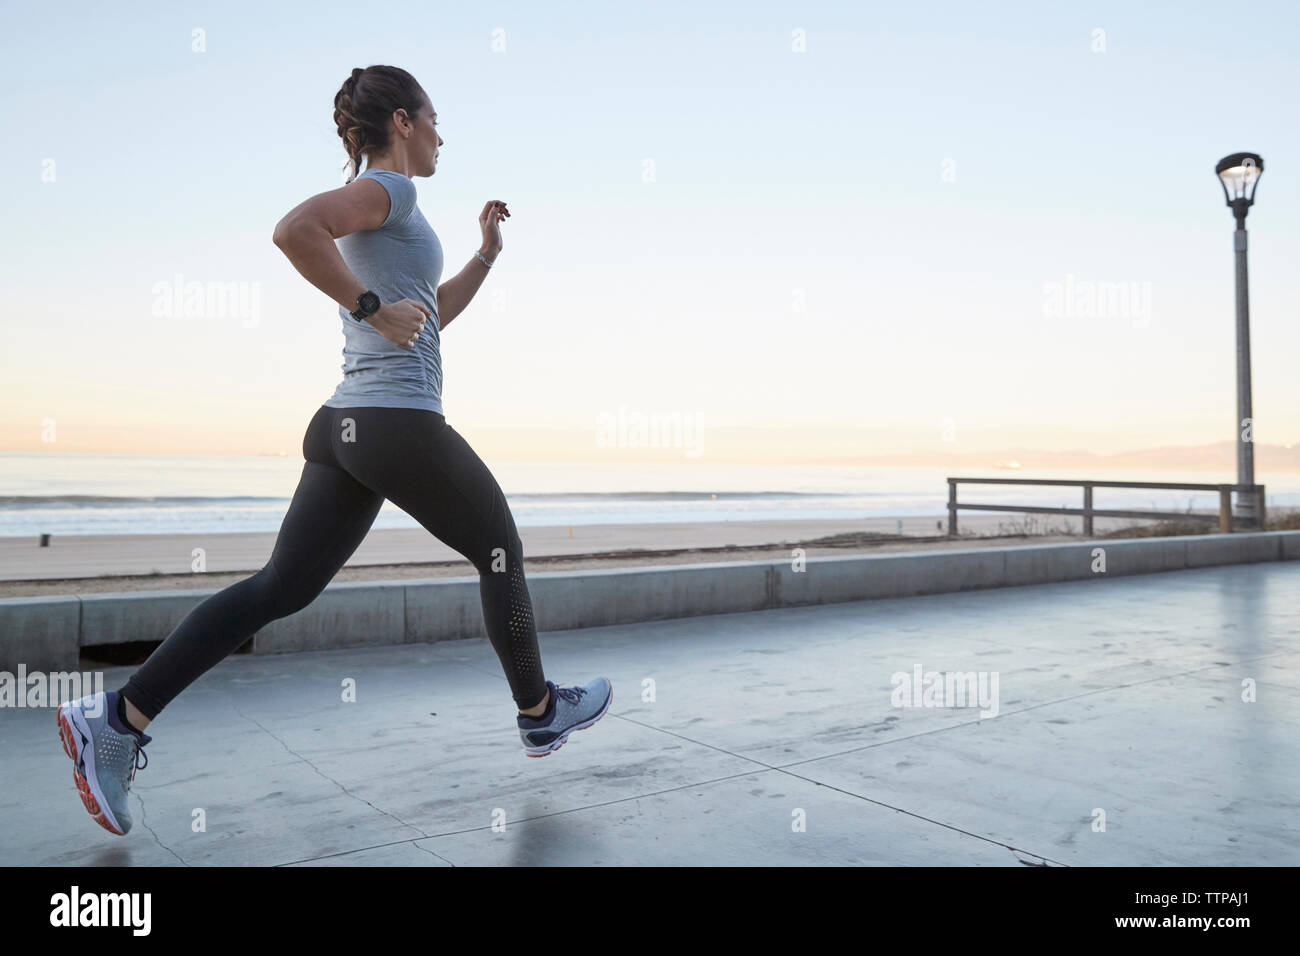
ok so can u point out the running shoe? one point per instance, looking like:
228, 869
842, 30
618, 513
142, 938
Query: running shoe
104, 759
569, 709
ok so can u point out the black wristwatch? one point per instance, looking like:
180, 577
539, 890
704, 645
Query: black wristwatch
367, 305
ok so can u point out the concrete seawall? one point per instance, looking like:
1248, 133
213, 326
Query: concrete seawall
46, 633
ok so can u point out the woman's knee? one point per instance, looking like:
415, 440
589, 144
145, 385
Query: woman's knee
502, 553
285, 597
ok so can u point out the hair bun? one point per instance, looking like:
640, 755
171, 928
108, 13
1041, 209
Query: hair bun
363, 122
350, 84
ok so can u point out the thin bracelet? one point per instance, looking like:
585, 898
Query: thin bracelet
483, 260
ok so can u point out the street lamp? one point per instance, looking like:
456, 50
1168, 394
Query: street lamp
1238, 174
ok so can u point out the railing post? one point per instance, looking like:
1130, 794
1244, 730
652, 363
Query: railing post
1225, 509
952, 508
1087, 509
1259, 505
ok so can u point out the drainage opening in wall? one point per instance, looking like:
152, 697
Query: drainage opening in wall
128, 654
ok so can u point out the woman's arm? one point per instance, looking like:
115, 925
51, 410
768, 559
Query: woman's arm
306, 236
455, 294
307, 232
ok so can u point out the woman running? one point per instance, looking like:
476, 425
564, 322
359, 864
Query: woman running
382, 435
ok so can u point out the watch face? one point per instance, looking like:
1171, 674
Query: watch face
368, 303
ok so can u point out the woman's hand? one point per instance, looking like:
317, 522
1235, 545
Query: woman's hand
400, 322
489, 222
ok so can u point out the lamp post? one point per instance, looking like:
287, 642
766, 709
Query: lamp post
1238, 175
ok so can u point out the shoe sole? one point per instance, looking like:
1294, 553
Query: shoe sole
558, 742
73, 729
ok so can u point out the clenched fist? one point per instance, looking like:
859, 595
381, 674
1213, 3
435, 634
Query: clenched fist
400, 322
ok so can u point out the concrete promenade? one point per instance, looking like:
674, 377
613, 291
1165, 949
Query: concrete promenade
1123, 698
47, 633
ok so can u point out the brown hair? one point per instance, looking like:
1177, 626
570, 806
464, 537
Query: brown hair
365, 104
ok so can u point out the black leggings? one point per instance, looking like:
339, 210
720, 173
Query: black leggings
357, 457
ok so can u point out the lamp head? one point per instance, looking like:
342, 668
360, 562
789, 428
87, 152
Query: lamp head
1239, 174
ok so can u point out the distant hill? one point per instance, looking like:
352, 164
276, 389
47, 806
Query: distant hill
1219, 456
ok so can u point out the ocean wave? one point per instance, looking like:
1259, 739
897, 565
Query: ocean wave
190, 501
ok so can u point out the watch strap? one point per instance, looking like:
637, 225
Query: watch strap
361, 313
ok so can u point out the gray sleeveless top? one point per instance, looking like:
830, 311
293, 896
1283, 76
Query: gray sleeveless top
402, 259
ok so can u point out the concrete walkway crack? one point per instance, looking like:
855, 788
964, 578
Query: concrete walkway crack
288, 749
145, 824
540, 816
847, 793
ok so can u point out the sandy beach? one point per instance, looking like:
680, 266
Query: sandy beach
98, 563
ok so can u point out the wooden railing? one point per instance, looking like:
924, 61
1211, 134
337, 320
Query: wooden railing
1088, 512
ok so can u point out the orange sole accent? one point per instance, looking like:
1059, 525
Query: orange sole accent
69, 739
547, 753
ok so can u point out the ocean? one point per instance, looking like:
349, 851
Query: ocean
67, 493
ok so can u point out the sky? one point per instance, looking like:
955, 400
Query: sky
803, 230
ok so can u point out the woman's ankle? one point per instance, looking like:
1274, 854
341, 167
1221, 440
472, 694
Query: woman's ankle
133, 716
540, 708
